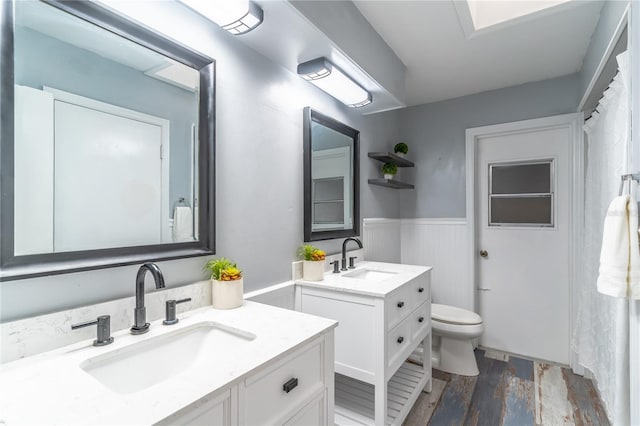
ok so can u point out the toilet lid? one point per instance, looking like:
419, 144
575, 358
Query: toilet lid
453, 315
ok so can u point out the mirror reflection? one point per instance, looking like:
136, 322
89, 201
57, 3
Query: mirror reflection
105, 138
331, 195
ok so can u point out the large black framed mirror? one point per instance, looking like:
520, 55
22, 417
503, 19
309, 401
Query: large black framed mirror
331, 178
107, 150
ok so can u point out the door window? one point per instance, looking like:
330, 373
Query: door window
521, 194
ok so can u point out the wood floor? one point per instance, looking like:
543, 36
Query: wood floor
509, 391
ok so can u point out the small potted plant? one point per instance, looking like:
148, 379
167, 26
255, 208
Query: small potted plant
401, 149
226, 283
389, 170
313, 266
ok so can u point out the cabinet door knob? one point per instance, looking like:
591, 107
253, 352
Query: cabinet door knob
290, 385
400, 304
484, 253
420, 319
420, 290
400, 339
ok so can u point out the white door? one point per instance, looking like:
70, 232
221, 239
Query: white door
522, 225
107, 180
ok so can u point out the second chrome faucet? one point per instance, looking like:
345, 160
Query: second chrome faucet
141, 325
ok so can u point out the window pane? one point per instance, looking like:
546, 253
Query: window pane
521, 210
329, 189
328, 213
521, 178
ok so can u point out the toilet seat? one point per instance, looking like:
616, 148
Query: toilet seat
452, 315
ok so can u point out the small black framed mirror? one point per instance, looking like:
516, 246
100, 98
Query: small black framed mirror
331, 178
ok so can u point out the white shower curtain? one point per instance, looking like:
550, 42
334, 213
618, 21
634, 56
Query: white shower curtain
600, 340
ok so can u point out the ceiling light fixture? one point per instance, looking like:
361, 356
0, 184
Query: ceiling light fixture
235, 16
335, 82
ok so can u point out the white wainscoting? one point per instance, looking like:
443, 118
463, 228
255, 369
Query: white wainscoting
439, 243
381, 240
443, 245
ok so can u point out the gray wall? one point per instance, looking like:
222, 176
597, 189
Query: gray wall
258, 170
610, 16
436, 136
45, 61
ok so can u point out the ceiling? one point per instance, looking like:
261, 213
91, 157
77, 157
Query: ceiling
446, 59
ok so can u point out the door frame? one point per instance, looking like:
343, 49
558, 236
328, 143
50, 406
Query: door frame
573, 122
165, 149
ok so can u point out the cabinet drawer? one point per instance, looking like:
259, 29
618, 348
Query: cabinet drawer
399, 344
400, 304
311, 414
267, 400
420, 321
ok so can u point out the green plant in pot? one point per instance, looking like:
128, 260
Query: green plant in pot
389, 170
226, 283
401, 149
313, 262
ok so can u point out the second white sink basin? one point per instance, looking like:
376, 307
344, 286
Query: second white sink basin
142, 365
370, 274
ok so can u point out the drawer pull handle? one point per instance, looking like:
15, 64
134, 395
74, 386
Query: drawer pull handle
420, 290
290, 385
400, 304
420, 319
400, 339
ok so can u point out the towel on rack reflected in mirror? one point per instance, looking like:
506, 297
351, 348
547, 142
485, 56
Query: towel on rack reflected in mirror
182, 224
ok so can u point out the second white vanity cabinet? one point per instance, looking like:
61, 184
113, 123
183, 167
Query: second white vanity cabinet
381, 322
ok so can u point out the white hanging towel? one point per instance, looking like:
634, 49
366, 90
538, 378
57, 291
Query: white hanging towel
619, 274
182, 224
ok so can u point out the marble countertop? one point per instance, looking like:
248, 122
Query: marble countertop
51, 388
402, 275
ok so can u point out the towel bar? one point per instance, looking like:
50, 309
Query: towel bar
628, 177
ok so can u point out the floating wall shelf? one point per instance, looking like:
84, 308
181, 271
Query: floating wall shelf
387, 157
390, 183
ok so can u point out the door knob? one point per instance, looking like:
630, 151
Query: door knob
484, 253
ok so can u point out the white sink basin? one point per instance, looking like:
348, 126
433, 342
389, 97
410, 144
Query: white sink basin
142, 365
370, 274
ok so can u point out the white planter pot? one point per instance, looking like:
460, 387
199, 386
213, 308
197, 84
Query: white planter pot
313, 270
227, 294
388, 176
400, 154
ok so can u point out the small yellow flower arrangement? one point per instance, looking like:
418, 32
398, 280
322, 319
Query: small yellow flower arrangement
309, 252
226, 283
313, 257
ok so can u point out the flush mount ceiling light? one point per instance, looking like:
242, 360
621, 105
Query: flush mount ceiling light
332, 80
235, 16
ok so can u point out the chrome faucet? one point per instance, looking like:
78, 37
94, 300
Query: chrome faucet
344, 251
141, 325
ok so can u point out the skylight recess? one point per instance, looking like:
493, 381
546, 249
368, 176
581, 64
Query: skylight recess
487, 13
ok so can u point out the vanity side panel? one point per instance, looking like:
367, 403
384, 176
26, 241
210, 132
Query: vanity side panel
355, 354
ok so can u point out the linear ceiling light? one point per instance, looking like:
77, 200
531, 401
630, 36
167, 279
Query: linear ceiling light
332, 80
235, 16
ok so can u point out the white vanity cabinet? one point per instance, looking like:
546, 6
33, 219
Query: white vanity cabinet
295, 389
380, 325
254, 365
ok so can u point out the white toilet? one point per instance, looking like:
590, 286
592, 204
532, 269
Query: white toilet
453, 332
